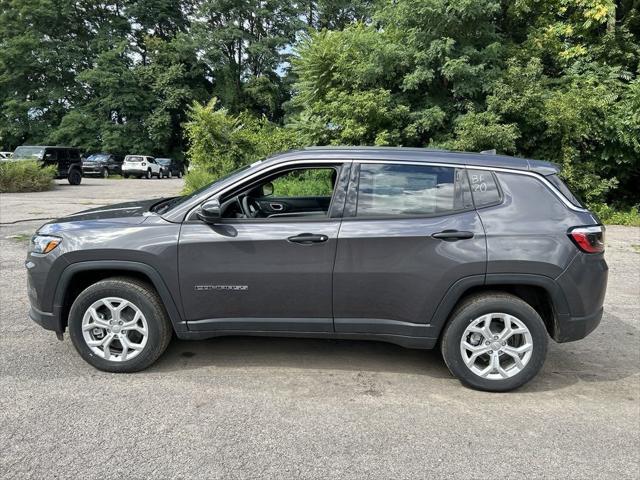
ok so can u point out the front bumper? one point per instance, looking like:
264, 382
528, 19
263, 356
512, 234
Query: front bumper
47, 320
92, 169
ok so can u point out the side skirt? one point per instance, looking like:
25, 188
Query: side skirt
424, 343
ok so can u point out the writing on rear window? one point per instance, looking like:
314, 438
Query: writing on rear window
483, 187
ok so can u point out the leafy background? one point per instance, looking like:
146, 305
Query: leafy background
227, 82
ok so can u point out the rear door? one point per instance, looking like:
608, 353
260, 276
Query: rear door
409, 232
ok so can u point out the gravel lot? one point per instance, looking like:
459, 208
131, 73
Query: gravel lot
291, 408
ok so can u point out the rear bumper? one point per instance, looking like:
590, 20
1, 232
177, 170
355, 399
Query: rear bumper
570, 329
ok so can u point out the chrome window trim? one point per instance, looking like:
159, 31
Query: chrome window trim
325, 161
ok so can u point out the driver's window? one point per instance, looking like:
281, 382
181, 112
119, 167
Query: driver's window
300, 192
308, 182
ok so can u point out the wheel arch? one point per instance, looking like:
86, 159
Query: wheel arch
78, 276
542, 293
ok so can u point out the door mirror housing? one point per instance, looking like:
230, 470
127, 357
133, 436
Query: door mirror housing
209, 211
267, 189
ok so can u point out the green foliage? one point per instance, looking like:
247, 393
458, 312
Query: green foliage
221, 142
304, 183
25, 176
550, 80
616, 216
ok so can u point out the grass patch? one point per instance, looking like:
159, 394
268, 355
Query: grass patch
613, 216
20, 237
25, 176
635, 247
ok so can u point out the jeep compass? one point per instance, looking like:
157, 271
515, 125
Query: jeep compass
483, 256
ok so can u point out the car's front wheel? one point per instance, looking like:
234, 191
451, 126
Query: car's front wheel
494, 342
105, 172
119, 325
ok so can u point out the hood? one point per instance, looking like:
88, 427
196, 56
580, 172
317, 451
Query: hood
129, 213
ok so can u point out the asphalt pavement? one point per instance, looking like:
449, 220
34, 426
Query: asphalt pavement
294, 408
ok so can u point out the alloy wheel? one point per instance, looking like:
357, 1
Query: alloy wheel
496, 346
115, 329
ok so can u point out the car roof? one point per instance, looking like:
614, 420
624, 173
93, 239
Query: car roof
418, 155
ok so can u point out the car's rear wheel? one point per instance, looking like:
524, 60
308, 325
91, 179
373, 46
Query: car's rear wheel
119, 325
74, 177
148, 175
125, 175
494, 342
105, 172
170, 174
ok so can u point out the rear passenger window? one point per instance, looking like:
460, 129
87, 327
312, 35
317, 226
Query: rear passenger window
484, 188
394, 189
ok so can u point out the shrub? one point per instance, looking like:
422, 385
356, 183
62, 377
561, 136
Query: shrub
220, 142
25, 176
612, 216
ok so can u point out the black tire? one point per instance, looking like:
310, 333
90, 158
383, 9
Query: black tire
105, 173
148, 175
146, 299
493, 302
160, 175
125, 175
74, 177
179, 173
170, 174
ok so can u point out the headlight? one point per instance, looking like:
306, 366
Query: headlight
44, 243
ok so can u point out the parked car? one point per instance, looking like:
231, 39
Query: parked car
141, 166
5, 155
483, 256
66, 159
171, 167
102, 165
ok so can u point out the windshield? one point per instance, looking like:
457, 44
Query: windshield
98, 157
29, 153
167, 205
163, 161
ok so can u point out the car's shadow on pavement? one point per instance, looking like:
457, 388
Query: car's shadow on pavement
601, 357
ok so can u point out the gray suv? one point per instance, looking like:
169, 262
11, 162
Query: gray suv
482, 256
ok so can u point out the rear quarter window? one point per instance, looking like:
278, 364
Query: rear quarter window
484, 188
557, 182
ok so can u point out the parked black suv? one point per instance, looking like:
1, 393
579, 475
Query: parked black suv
171, 167
484, 256
102, 165
66, 159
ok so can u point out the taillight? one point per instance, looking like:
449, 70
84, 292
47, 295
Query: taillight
588, 239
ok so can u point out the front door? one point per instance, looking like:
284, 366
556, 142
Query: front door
265, 269
408, 233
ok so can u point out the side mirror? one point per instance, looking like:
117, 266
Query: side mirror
209, 211
267, 189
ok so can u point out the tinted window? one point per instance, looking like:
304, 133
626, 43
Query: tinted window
411, 190
560, 185
30, 153
483, 187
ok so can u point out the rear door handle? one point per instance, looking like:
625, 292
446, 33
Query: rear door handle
308, 238
452, 235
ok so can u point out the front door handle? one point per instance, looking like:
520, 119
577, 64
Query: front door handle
308, 238
452, 235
